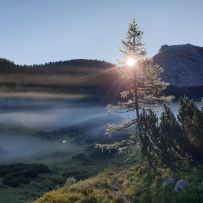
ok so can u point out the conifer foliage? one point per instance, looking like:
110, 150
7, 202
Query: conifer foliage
141, 85
166, 141
190, 118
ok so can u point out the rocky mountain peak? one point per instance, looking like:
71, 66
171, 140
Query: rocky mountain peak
183, 64
181, 49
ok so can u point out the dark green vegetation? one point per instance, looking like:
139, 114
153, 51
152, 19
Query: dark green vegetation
173, 142
16, 174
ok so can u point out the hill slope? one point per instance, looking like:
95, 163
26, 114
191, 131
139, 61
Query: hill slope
129, 184
76, 79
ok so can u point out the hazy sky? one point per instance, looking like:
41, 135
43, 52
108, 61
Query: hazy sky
38, 31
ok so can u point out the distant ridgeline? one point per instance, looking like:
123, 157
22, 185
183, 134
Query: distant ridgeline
9, 66
183, 69
79, 76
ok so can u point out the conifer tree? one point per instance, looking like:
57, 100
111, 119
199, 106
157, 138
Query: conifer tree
190, 118
149, 137
141, 85
171, 140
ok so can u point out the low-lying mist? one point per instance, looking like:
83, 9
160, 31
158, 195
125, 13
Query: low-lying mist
38, 130
25, 127
46, 114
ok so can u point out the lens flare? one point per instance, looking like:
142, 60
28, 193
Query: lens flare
131, 62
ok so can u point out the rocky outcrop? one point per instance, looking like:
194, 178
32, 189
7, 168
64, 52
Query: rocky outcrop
183, 64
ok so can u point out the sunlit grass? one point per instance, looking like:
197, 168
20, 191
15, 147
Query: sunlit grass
136, 183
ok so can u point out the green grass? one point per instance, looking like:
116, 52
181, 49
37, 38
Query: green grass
129, 184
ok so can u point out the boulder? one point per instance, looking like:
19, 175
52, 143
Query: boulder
70, 181
180, 185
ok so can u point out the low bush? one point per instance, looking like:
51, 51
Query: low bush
14, 181
173, 142
15, 174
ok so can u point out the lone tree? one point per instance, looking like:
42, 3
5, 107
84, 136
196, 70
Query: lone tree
141, 87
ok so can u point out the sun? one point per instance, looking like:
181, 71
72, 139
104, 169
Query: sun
131, 62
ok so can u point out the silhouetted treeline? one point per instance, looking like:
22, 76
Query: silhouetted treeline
9, 66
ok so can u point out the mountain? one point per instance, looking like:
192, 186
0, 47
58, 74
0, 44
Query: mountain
98, 80
183, 64
68, 66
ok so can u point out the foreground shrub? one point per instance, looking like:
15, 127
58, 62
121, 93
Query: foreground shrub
171, 142
190, 118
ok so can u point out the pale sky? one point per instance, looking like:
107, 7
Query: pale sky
39, 31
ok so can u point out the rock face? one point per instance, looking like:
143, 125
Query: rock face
183, 64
